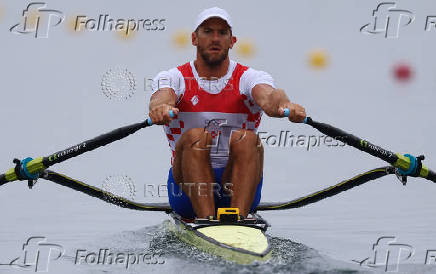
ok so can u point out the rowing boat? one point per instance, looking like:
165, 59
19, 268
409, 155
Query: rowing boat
241, 241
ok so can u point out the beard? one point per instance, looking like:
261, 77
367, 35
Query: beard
213, 60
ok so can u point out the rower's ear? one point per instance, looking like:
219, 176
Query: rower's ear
194, 39
234, 40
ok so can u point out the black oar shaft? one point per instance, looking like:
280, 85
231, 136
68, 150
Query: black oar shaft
99, 141
330, 191
394, 159
37, 165
101, 194
354, 141
431, 176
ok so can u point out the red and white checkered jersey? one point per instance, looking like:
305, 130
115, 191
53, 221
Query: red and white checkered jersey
219, 105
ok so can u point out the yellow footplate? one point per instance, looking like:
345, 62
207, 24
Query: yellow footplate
228, 214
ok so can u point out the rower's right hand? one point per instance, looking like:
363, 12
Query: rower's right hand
295, 112
161, 114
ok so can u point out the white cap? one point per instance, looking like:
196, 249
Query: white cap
212, 12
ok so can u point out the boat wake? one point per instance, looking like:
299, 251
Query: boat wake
164, 252
287, 257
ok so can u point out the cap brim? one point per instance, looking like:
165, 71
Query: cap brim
213, 16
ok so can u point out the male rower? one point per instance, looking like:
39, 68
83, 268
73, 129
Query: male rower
217, 157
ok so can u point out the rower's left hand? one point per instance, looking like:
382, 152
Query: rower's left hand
297, 112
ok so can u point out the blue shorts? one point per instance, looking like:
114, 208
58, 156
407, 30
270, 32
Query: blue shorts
181, 204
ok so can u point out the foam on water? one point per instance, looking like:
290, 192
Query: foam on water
159, 242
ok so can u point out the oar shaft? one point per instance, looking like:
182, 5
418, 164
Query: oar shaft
397, 160
350, 139
406, 164
431, 175
91, 144
39, 164
3, 179
354, 141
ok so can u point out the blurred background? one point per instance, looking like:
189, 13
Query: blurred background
380, 86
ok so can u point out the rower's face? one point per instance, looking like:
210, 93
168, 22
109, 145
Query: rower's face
213, 40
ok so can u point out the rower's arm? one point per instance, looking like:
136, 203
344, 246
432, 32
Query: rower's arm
161, 102
274, 101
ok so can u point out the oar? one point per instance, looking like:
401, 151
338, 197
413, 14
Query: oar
101, 194
407, 164
329, 191
29, 169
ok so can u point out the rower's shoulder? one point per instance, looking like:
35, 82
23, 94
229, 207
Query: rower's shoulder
250, 77
171, 78
249, 70
250, 73
177, 68
173, 72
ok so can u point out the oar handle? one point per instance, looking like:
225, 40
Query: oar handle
150, 122
287, 112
